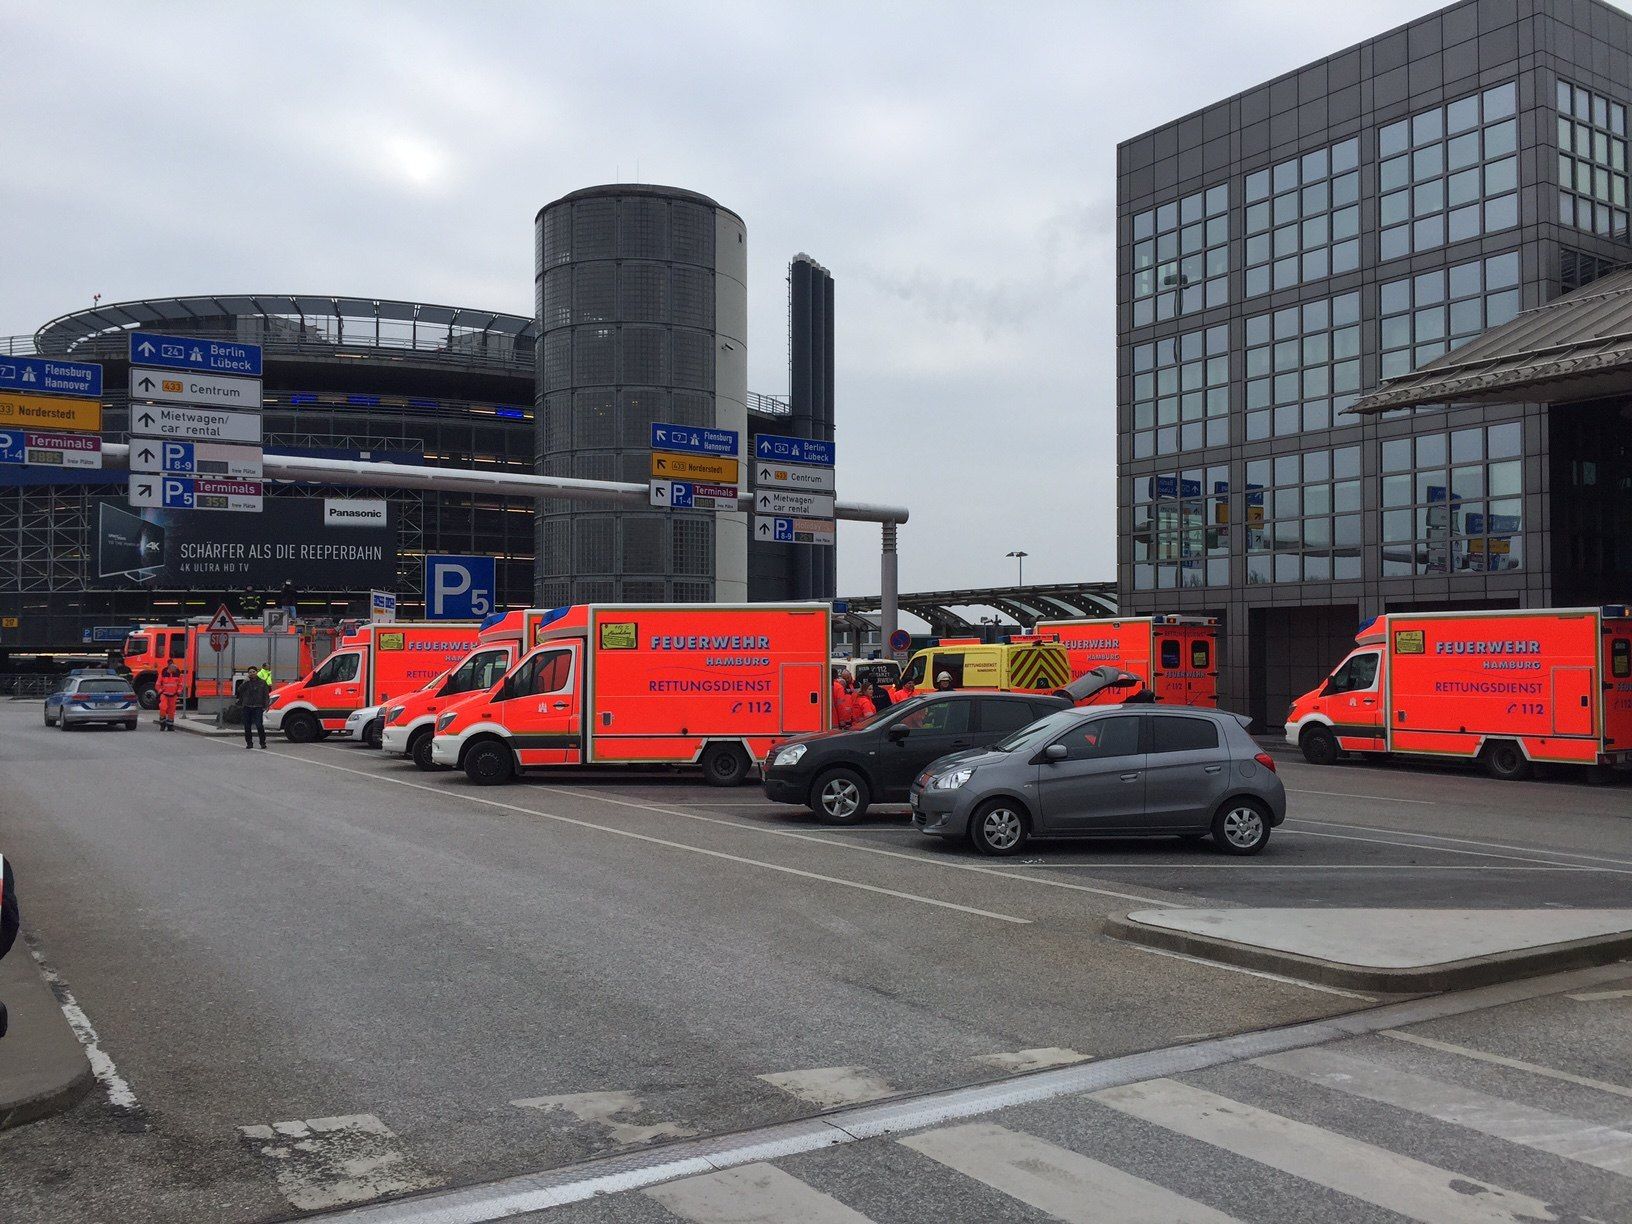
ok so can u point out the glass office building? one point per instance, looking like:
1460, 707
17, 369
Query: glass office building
1283, 251
345, 378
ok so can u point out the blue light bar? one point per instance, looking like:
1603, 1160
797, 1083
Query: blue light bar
510, 414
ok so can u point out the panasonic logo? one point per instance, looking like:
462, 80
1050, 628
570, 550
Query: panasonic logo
710, 643
1499, 646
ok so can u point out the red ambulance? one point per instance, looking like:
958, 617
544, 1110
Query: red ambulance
411, 720
1177, 656
371, 666
713, 685
1509, 689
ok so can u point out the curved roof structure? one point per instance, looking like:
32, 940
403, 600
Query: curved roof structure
299, 319
1026, 604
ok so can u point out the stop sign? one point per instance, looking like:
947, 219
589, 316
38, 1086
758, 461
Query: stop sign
218, 641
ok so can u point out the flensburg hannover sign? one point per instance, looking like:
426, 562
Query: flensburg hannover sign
51, 376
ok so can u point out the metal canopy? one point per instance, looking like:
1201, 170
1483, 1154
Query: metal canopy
65, 331
1576, 347
944, 611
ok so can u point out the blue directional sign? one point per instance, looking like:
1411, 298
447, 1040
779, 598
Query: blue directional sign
195, 353
694, 440
784, 529
682, 495
50, 376
12, 448
794, 450
459, 587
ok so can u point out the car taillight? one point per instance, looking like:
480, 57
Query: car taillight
1267, 761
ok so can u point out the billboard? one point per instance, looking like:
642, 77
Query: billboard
295, 539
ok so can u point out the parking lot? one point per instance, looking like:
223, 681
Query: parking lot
515, 978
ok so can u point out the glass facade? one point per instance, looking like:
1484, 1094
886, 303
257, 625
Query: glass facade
1303, 366
1181, 529
1591, 161
1181, 393
1423, 317
1303, 516
1303, 219
1449, 173
1181, 256
1453, 501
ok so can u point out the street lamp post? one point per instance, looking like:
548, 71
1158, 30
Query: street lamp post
1020, 561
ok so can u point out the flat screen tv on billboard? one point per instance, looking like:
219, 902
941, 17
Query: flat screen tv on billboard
319, 544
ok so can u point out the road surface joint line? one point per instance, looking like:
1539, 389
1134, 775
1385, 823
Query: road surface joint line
1257, 973
823, 841
1304, 790
1515, 858
1419, 841
577, 1182
673, 845
1501, 1060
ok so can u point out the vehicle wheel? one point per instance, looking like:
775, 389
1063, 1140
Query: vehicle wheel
63, 724
373, 732
490, 763
419, 751
129, 726
1319, 746
998, 828
147, 696
300, 728
1241, 827
45, 716
725, 765
840, 796
1506, 760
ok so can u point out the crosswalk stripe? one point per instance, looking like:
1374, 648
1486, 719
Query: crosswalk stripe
1501, 1060
1066, 1185
1375, 1175
1602, 1147
752, 1194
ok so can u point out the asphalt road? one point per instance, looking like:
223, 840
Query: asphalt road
480, 982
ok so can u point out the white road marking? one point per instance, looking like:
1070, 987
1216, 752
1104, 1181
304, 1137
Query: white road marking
445, 794
919, 859
1380, 841
1603, 1147
602, 1109
1303, 790
1239, 867
1033, 1060
828, 1087
1362, 1170
1501, 1060
107, 1074
1257, 973
1598, 996
333, 1162
1066, 1185
752, 1194
1421, 840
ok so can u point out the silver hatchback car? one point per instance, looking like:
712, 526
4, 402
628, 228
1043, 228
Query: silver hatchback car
1116, 771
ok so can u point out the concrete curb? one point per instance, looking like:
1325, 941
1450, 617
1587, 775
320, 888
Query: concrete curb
193, 727
43, 1068
1428, 979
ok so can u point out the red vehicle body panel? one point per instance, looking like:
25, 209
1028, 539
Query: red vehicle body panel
1176, 656
392, 659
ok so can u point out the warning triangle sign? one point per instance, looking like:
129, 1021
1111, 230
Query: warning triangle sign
222, 621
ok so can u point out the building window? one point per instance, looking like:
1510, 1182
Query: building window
1303, 219
1448, 173
1181, 392
1181, 256
1303, 366
1423, 317
1454, 502
1181, 529
1591, 162
1303, 517
1577, 268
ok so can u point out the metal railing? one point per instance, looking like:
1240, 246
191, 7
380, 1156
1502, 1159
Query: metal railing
19, 686
769, 405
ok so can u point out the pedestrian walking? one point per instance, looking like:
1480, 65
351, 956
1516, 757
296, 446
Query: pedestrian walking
252, 696
170, 688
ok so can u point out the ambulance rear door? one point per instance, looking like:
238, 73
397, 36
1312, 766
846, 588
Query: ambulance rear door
541, 706
802, 685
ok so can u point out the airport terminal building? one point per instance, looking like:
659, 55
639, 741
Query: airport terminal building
1283, 252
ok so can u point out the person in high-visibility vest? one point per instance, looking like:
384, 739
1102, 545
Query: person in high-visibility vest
170, 688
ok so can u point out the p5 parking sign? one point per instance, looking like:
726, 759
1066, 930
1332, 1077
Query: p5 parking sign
459, 588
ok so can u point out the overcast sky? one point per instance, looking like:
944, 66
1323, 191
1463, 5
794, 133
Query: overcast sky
952, 164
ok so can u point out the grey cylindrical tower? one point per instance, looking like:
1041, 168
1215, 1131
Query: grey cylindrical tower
642, 303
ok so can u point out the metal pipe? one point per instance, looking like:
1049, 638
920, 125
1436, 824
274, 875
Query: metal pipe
297, 469
889, 614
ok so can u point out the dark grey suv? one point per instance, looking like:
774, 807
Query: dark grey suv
1117, 771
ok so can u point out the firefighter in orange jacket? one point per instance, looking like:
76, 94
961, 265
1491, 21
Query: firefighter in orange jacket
170, 687
844, 712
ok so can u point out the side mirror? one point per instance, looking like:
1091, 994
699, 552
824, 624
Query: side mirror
898, 733
1055, 752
